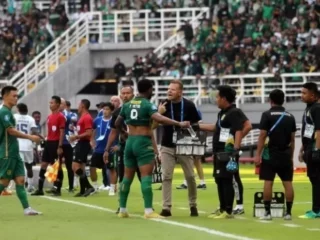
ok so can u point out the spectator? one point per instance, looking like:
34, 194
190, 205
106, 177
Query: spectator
119, 69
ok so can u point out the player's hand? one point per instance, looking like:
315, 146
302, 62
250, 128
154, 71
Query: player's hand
93, 144
162, 108
59, 151
35, 138
184, 124
158, 158
106, 157
257, 161
115, 149
72, 138
300, 157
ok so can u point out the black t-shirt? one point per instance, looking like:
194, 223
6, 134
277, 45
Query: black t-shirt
231, 119
280, 136
190, 113
311, 117
115, 115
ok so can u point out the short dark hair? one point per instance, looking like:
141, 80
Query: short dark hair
68, 103
86, 103
227, 92
277, 96
178, 82
36, 112
144, 85
22, 108
7, 89
128, 86
109, 105
57, 99
312, 87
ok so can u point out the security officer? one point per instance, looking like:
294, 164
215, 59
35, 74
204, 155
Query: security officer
310, 149
276, 146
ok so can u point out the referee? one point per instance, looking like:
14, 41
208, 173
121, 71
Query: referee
227, 136
53, 146
276, 148
310, 149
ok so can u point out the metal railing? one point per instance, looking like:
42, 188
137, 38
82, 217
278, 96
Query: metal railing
249, 87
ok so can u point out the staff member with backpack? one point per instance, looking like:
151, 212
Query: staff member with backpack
276, 148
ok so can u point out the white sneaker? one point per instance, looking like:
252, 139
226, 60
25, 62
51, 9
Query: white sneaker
31, 212
112, 192
266, 217
101, 188
107, 188
31, 189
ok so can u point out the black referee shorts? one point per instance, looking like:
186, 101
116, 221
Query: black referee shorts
97, 160
50, 154
81, 152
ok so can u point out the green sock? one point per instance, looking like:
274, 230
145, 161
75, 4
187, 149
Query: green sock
124, 192
22, 195
2, 187
146, 189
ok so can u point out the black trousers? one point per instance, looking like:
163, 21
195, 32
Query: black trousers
68, 158
225, 193
238, 188
315, 183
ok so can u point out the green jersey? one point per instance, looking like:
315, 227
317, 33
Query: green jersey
138, 112
9, 146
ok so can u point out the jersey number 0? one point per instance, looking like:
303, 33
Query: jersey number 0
134, 114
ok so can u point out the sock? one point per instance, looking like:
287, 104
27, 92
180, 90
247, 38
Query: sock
123, 210
30, 181
267, 207
202, 182
146, 189
86, 182
41, 179
60, 180
2, 187
95, 185
148, 210
185, 182
289, 207
79, 172
112, 187
22, 195
124, 192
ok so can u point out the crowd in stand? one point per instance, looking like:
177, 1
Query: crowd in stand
256, 36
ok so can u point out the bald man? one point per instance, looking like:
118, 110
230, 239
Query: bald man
116, 101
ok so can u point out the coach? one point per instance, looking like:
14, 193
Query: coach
179, 109
310, 149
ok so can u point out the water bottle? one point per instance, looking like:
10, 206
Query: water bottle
73, 144
192, 132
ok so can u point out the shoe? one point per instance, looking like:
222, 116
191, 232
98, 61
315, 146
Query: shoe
30, 189
182, 186
118, 210
89, 192
6, 193
56, 194
112, 192
31, 212
194, 212
79, 195
37, 193
107, 188
152, 215
287, 217
266, 217
215, 213
202, 186
70, 190
52, 190
238, 211
165, 213
310, 215
224, 215
123, 215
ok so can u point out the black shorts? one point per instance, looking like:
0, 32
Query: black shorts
50, 152
268, 171
97, 160
81, 152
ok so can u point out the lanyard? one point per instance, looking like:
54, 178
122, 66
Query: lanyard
181, 116
276, 124
108, 125
219, 122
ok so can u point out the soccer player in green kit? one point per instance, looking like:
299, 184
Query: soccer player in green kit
11, 165
139, 152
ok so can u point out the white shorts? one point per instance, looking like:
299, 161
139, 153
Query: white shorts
26, 156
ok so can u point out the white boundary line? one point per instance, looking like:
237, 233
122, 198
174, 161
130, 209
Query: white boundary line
169, 222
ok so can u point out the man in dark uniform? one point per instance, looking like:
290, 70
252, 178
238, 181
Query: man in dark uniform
275, 151
310, 149
228, 133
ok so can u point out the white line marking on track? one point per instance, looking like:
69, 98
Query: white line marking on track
169, 222
291, 225
263, 221
313, 229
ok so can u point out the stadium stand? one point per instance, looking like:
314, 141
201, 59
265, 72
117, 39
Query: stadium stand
270, 36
